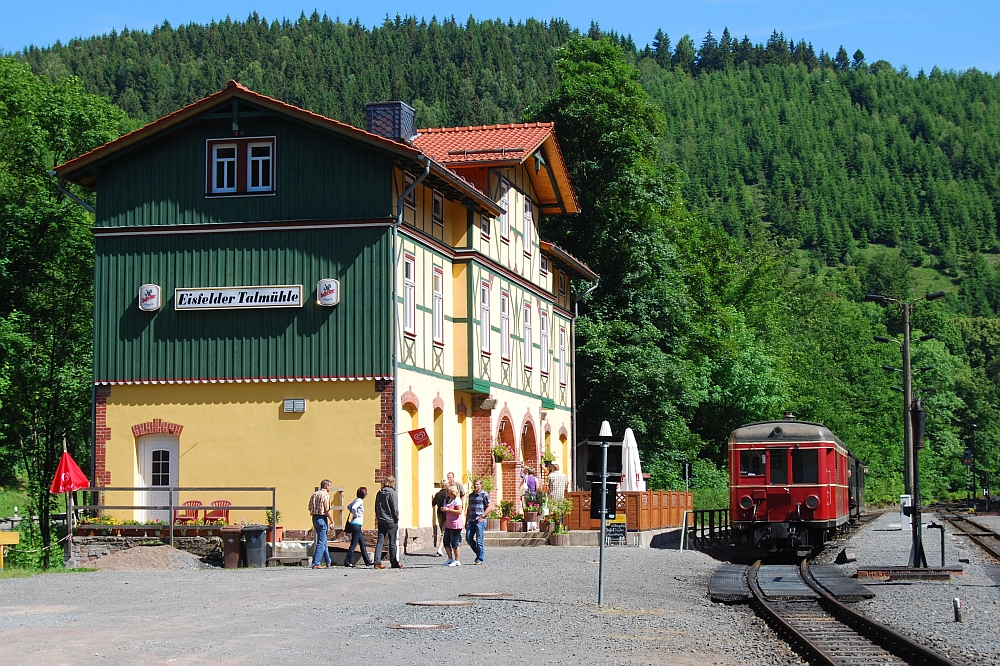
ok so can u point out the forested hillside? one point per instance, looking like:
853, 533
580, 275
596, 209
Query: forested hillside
739, 200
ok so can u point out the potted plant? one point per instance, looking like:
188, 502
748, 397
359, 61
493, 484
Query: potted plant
559, 536
502, 452
532, 503
548, 458
486, 479
271, 520
506, 508
493, 521
516, 524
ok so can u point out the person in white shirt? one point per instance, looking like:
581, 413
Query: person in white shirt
354, 525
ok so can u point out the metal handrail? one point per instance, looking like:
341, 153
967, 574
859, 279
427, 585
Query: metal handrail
171, 507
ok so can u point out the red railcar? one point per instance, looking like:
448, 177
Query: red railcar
793, 485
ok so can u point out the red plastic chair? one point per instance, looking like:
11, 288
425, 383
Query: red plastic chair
188, 515
218, 514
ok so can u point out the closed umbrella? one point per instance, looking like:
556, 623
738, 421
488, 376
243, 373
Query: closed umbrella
605, 429
631, 465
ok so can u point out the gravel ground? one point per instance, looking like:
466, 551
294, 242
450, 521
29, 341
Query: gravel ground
149, 558
922, 610
656, 611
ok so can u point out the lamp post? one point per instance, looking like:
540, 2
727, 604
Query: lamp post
911, 456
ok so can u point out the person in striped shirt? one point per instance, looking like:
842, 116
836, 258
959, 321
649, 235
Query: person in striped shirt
475, 523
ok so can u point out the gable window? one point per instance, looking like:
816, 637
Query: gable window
526, 343
505, 326
529, 225
543, 265
543, 330
504, 217
409, 295
562, 283
411, 198
484, 317
484, 226
224, 168
438, 306
562, 355
437, 213
240, 167
260, 167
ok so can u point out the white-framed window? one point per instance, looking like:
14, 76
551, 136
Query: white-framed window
543, 331
438, 306
543, 265
562, 283
411, 198
562, 355
484, 317
505, 325
504, 216
484, 226
529, 226
223, 168
526, 330
409, 294
260, 164
437, 210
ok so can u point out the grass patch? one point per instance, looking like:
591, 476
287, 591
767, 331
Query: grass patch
27, 572
9, 498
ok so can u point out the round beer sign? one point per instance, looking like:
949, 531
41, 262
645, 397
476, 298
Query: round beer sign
328, 292
149, 297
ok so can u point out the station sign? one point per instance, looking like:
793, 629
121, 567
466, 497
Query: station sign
238, 298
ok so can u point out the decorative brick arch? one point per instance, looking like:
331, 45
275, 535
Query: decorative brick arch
438, 403
548, 429
409, 398
529, 441
155, 427
563, 433
508, 431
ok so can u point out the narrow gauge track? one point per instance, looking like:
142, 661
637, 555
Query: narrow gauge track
986, 538
833, 634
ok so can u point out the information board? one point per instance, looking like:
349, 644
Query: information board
616, 530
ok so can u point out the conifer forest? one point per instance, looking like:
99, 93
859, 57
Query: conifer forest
739, 200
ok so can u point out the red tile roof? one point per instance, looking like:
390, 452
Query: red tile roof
484, 143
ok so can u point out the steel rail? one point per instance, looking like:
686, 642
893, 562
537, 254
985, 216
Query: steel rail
867, 635
985, 538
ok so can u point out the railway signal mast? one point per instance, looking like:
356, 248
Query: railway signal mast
913, 422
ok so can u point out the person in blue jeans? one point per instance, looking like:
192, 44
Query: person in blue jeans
322, 517
475, 523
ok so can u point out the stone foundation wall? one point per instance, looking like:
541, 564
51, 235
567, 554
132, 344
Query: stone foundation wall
90, 549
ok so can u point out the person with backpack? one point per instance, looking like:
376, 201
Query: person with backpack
354, 525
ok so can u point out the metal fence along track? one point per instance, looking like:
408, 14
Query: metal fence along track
830, 632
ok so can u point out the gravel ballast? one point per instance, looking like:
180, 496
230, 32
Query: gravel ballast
656, 611
923, 610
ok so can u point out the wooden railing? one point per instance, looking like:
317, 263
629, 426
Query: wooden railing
649, 510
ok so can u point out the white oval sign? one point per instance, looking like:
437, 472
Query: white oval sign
149, 297
327, 292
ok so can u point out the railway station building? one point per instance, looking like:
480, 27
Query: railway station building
281, 297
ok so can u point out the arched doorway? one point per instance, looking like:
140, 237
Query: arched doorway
159, 455
529, 446
509, 479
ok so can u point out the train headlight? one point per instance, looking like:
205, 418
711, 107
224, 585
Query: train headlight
812, 502
746, 502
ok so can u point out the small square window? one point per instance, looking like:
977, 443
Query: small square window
223, 168
562, 283
259, 178
437, 214
543, 265
411, 198
295, 405
484, 226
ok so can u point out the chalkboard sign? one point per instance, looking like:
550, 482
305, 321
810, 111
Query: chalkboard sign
616, 533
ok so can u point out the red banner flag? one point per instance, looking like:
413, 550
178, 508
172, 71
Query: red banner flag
69, 476
420, 438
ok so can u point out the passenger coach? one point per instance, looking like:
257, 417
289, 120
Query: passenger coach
793, 486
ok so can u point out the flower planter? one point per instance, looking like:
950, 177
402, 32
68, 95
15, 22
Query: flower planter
515, 527
505, 524
558, 539
492, 524
498, 459
546, 526
280, 533
531, 516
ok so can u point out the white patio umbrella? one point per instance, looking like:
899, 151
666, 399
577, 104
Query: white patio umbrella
605, 429
631, 465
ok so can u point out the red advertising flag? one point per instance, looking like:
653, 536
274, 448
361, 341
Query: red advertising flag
69, 476
420, 438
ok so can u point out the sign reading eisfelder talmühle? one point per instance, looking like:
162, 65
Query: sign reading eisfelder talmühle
238, 298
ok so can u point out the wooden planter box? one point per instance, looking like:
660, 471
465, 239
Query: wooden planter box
515, 527
558, 539
493, 524
531, 516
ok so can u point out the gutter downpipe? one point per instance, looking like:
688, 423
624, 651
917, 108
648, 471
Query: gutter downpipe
576, 315
395, 314
59, 184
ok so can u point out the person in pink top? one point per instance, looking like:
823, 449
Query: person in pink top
453, 524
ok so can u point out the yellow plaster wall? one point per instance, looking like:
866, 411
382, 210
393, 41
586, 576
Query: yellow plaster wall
238, 435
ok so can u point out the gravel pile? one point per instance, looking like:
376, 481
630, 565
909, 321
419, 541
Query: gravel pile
656, 611
149, 558
922, 610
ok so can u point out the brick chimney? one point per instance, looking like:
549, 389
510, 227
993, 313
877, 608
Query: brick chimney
393, 120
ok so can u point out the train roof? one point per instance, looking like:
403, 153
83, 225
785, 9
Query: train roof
795, 431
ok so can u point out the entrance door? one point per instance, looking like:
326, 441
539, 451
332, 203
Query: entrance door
158, 458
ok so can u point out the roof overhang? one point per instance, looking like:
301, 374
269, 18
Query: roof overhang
568, 261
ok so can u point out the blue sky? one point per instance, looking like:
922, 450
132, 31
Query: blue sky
952, 34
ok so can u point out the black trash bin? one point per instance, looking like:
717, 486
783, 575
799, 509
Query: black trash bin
256, 545
231, 543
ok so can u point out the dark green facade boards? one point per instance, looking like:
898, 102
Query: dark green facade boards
351, 339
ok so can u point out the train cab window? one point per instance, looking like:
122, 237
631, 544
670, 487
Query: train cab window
751, 463
778, 465
805, 466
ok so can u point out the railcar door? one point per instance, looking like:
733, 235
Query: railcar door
779, 500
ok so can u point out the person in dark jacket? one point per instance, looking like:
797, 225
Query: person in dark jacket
387, 515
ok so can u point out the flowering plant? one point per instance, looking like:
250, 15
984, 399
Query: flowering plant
502, 452
532, 502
